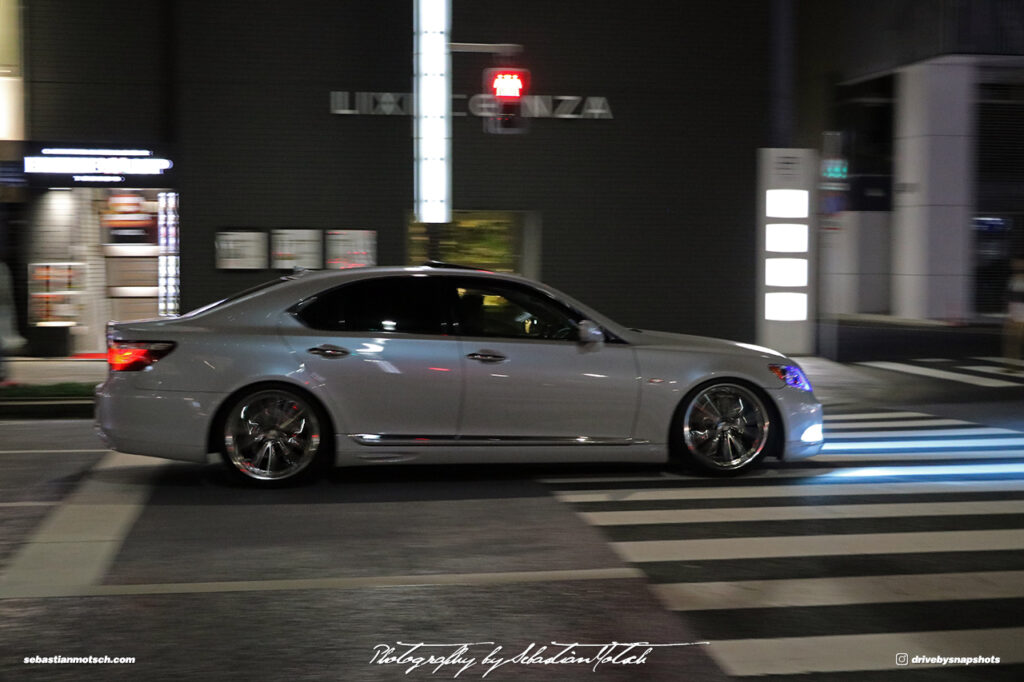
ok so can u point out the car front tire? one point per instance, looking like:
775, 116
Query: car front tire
274, 435
723, 427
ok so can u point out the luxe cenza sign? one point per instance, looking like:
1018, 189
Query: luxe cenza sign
483, 105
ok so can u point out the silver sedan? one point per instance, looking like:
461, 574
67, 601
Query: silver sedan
439, 364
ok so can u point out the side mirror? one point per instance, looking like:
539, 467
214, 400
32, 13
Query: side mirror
590, 332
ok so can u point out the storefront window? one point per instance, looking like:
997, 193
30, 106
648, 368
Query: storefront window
493, 240
97, 254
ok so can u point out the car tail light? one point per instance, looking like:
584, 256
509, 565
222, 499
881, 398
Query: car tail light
133, 356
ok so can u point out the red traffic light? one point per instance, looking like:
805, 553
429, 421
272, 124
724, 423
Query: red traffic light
506, 83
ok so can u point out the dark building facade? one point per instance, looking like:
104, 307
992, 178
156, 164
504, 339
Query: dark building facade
925, 100
635, 179
635, 187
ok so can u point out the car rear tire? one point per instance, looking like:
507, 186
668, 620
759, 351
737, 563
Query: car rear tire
724, 428
274, 435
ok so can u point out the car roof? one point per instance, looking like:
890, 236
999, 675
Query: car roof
321, 277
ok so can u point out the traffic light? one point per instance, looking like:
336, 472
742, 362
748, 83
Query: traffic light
508, 86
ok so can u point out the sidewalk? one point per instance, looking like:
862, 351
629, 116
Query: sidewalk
43, 372
834, 384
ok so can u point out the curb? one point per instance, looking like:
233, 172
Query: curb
47, 408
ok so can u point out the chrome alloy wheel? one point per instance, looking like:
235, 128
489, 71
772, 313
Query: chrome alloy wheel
272, 435
725, 427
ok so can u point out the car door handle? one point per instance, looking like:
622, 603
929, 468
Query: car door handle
486, 357
328, 351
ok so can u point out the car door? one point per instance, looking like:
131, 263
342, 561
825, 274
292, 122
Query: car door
527, 376
381, 350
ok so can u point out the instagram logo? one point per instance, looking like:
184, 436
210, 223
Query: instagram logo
902, 659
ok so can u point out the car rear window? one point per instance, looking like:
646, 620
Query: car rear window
410, 305
240, 294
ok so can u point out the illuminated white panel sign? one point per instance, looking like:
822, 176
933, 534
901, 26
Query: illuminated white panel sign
296, 249
786, 238
12, 107
785, 272
787, 203
59, 151
96, 165
98, 178
785, 307
241, 250
351, 248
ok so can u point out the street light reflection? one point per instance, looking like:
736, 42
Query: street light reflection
847, 446
938, 470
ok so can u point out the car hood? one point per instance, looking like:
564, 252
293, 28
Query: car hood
656, 340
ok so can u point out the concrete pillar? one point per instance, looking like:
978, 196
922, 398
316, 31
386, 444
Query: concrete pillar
933, 246
856, 263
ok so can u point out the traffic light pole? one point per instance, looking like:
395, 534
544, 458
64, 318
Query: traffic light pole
432, 118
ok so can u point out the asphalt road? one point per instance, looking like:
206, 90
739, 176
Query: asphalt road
906, 536
112, 555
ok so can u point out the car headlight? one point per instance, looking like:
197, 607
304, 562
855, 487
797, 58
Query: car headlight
792, 376
814, 433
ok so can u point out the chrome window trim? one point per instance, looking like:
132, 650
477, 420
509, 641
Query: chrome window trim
375, 439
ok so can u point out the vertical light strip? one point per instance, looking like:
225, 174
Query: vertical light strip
168, 263
432, 120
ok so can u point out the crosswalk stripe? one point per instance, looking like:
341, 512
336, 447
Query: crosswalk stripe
756, 594
783, 490
818, 545
1005, 361
903, 423
919, 433
840, 511
925, 443
944, 469
903, 456
813, 470
1000, 371
873, 415
789, 556
941, 374
771, 471
875, 651
78, 541
871, 468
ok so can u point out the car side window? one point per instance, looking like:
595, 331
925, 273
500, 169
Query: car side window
410, 305
508, 311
